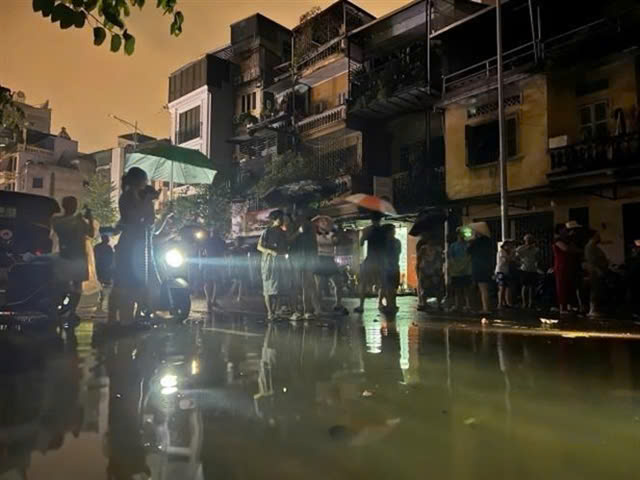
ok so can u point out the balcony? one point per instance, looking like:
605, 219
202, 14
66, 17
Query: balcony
600, 156
323, 120
411, 190
390, 85
184, 136
515, 61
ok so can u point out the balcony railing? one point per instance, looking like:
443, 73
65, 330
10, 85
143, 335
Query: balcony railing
325, 51
384, 77
600, 154
512, 59
332, 160
419, 190
183, 136
322, 120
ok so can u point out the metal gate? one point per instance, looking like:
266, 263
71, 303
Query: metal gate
540, 225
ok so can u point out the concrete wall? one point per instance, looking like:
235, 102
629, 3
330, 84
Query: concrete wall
58, 182
527, 170
221, 113
328, 91
563, 104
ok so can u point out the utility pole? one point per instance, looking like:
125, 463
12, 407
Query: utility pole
129, 124
502, 160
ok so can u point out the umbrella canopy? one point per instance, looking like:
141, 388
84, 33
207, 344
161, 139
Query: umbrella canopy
428, 220
172, 163
371, 202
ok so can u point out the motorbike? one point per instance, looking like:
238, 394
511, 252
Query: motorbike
166, 273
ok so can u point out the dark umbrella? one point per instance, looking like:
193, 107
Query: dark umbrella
428, 220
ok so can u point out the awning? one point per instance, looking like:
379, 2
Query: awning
327, 72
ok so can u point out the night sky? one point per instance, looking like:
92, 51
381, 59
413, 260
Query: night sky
84, 83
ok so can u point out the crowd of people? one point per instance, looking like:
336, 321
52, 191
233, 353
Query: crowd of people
298, 259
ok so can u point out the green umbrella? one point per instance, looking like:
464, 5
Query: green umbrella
174, 164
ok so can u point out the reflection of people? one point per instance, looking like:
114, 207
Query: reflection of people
371, 268
72, 231
136, 217
273, 246
124, 440
239, 257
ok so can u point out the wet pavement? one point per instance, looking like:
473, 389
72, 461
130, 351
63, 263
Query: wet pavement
355, 397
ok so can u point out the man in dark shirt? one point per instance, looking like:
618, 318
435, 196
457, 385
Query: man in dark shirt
371, 269
304, 259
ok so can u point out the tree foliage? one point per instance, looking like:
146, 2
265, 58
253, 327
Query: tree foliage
11, 115
100, 200
210, 207
286, 168
105, 17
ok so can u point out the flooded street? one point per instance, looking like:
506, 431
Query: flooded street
372, 398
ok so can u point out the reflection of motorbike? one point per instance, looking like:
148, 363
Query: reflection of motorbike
171, 420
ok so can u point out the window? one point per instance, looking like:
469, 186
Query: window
483, 143
580, 215
244, 104
594, 121
342, 98
189, 125
253, 101
37, 182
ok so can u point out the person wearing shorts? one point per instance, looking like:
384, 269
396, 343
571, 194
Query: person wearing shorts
504, 259
460, 271
527, 256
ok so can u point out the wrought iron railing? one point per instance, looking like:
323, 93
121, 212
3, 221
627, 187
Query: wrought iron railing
512, 59
322, 120
609, 152
332, 160
325, 51
384, 77
412, 189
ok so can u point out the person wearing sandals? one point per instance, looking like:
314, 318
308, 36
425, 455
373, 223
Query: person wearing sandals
327, 267
273, 247
459, 264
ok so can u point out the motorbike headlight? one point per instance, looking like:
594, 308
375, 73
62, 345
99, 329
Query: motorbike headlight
169, 381
199, 235
174, 258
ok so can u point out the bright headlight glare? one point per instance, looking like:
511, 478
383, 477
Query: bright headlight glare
199, 234
174, 258
169, 381
168, 390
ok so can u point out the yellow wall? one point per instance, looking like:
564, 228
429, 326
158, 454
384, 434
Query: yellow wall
564, 105
527, 170
328, 92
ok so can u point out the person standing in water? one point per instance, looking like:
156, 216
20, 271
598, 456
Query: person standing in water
372, 267
72, 231
104, 254
273, 246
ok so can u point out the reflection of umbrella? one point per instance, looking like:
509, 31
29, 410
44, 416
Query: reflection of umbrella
171, 163
371, 202
428, 220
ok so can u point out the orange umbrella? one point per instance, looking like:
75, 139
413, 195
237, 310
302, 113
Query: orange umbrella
371, 202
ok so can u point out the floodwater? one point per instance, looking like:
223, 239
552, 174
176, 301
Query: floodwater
366, 397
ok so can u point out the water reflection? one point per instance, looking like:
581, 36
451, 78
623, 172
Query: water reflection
379, 399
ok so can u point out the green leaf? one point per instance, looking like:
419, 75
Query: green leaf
116, 42
37, 5
140, 3
129, 43
46, 7
125, 10
90, 5
99, 35
112, 16
80, 18
63, 14
77, 3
